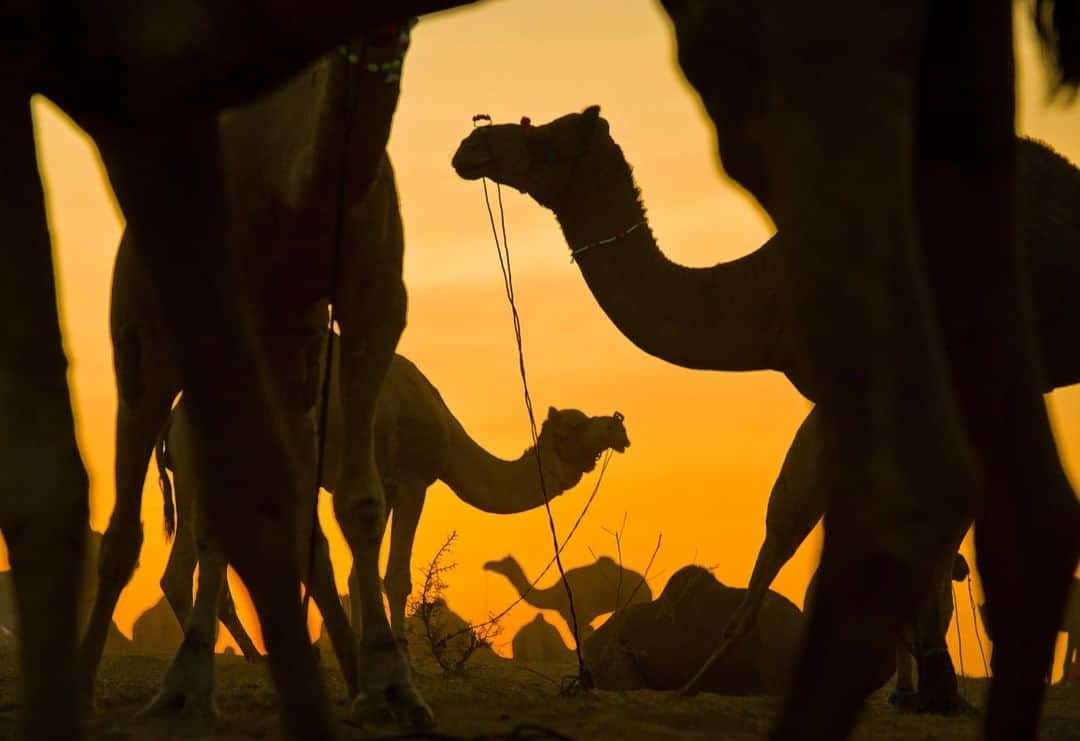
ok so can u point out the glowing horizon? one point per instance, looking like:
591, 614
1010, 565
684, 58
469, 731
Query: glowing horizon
702, 443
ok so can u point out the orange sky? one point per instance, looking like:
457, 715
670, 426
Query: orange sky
706, 446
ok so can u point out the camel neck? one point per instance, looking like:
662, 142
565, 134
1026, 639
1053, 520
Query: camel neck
726, 317
495, 485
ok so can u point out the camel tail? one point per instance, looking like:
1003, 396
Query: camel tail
1058, 25
161, 458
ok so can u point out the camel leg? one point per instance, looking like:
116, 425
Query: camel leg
1027, 528
228, 617
1072, 653
146, 386
178, 578
43, 485
371, 303
335, 622
938, 691
796, 503
408, 504
169, 182
188, 688
905, 677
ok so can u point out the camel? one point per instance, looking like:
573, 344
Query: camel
418, 441
659, 645
599, 588
750, 314
451, 631
283, 157
539, 641
1070, 626
155, 631
146, 81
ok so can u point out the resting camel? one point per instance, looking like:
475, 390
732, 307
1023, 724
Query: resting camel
814, 136
893, 296
539, 640
418, 441
659, 645
599, 588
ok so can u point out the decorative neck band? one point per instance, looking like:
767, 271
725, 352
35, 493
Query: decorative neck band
608, 240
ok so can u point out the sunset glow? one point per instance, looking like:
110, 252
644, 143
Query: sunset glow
706, 447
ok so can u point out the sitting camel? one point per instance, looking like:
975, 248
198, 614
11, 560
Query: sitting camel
540, 641
155, 631
736, 316
659, 645
418, 442
598, 588
1070, 626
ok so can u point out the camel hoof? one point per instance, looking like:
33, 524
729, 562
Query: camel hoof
188, 690
400, 706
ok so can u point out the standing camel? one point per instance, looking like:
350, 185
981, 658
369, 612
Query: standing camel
755, 319
284, 159
418, 442
599, 588
145, 81
816, 108
880, 139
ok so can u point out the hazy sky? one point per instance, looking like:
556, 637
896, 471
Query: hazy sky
706, 446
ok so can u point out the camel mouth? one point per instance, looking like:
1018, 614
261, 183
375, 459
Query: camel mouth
471, 161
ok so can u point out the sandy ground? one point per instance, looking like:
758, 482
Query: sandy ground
495, 697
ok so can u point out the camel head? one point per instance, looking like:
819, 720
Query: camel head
541, 161
506, 566
579, 440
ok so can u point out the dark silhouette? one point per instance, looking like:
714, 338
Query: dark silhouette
741, 316
418, 442
660, 645
539, 641
282, 165
599, 588
1070, 626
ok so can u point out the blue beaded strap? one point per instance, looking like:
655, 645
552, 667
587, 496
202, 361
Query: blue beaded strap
607, 240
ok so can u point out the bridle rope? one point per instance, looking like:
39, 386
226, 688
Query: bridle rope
583, 679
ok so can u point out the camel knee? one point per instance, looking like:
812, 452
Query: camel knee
120, 547
362, 518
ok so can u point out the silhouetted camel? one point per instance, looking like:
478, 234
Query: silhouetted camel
284, 160
538, 640
660, 645
740, 316
598, 588
418, 442
145, 81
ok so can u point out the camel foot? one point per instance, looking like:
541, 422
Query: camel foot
188, 689
387, 693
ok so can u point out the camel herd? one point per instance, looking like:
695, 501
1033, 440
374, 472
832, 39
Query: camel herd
909, 293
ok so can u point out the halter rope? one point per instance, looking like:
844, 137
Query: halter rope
583, 679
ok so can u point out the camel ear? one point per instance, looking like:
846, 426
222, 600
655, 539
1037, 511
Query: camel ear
592, 111
553, 414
